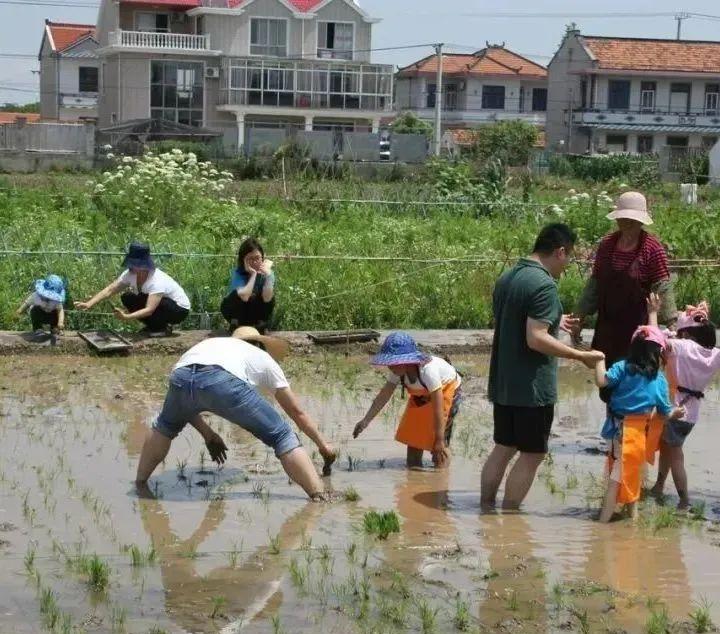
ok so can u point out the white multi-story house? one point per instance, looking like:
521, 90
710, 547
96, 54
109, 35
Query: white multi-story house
227, 65
68, 72
493, 84
633, 94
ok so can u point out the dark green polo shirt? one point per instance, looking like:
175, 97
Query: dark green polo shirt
520, 376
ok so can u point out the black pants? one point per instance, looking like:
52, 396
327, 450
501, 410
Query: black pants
41, 318
255, 312
166, 313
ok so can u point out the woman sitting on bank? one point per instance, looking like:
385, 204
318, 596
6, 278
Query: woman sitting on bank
251, 297
152, 296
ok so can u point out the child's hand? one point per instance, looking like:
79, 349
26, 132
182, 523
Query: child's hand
653, 303
360, 428
678, 413
439, 453
120, 314
83, 305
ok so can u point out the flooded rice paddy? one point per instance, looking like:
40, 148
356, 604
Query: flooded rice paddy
239, 549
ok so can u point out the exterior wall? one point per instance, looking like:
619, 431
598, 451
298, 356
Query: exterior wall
127, 21
662, 95
109, 97
339, 11
564, 92
108, 20
48, 84
659, 139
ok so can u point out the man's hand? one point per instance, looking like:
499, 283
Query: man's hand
121, 314
653, 303
590, 358
360, 428
439, 453
570, 324
217, 448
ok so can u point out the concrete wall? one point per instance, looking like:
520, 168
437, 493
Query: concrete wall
409, 148
48, 84
320, 143
108, 20
662, 94
563, 90
361, 146
48, 137
264, 140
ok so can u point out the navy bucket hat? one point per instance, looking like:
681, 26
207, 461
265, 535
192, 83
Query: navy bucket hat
138, 257
400, 348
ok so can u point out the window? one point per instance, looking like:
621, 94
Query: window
335, 40
712, 99
154, 22
268, 37
88, 79
708, 142
618, 94
583, 93
493, 97
648, 89
539, 99
616, 142
677, 141
645, 144
431, 95
176, 92
680, 98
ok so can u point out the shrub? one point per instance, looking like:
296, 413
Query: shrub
510, 142
602, 168
409, 123
203, 151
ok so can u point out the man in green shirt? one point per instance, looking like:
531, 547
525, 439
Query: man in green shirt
523, 368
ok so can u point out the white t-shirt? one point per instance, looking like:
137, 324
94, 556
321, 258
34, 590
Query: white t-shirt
434, 374
157, 283
245, 361
47, 305
695, 367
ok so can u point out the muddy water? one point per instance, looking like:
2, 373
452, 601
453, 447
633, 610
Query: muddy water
239, 549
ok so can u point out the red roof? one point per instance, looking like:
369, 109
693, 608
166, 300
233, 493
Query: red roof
302, 6
11, 117
494, 60
62, 35
618, 53
181, 4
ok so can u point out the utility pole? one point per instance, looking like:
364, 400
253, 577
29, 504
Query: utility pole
438, 98
679, 17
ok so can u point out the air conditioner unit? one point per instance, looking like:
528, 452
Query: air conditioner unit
212, 72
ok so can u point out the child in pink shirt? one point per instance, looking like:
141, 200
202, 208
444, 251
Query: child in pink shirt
694, 360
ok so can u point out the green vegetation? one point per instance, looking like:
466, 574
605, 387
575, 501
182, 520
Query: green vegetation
14, 107
409, 123
700, 617
381, 524
658, 622
511, 142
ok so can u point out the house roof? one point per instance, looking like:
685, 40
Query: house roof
619, 53
302, 6
11, 117
492, 61
63, 35
182, 4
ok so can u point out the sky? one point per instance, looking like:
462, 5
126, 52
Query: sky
464, 25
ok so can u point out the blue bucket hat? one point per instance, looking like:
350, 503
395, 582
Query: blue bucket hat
51, 288
138, 257
399, 348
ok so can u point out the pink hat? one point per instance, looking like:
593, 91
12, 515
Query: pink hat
694, 316
633, 206
651, 333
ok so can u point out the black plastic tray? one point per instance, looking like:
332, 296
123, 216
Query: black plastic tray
343, 336
105, 341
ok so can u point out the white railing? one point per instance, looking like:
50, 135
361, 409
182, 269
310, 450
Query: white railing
634, 118
167, 41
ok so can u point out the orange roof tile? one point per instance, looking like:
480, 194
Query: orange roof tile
303, 6
65, 34
11, 117
493, 60
617, 53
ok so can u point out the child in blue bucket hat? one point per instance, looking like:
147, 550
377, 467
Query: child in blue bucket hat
46, 305
433, 386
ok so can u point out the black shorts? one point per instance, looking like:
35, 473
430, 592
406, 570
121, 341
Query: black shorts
525, 428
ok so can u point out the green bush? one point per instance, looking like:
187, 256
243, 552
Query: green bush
602, 168
203, 151
409, 123
510, 142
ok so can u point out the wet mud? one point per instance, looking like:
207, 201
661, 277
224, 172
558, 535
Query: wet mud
239, 549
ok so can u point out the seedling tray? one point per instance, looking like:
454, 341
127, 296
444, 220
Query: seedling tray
105, 341
343, 336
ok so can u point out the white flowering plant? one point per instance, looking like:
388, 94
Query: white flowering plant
158, 188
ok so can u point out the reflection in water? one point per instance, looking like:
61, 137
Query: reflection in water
247, 588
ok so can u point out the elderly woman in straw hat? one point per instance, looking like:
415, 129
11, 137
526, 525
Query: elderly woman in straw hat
629, 265
223, 376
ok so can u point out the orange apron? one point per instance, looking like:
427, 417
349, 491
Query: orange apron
633, 455
417, 425
657, 422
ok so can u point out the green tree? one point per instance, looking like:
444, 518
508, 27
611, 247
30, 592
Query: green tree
409, 123
510, 141
14, 107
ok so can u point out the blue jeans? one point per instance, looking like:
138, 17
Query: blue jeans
196, 388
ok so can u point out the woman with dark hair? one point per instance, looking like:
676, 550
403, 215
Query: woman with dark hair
251, 295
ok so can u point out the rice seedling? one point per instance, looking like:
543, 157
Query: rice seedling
97, 572
662, 517
353, 463
29, 560
276, 625
428, 616
274, 547
700, 617
233, 554
394, 612
512, 601
351, 553
217, 605
181, 466
258, 489
381, 524
139, 558
461, 618
298, 574
696, 512
658, 622
49, 608
191, 552
351, 495
400, 586
583, 620
118, 618
381, 463
558, 595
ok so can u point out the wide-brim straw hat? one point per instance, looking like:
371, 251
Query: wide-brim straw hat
633, 206
277, 348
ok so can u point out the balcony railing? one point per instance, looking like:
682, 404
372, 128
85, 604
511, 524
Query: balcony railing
164, 41
79, 99
690, 118
307, 85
